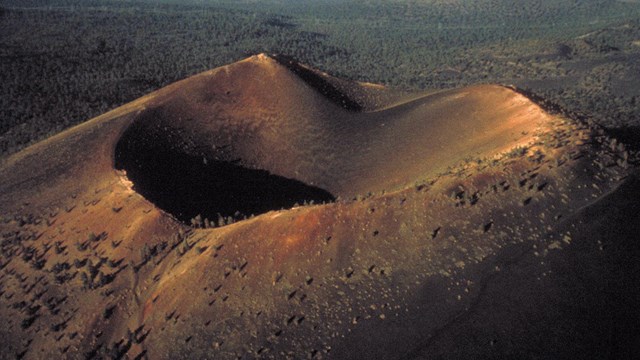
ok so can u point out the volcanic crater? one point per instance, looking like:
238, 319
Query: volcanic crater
252, 155
190, 186
442, 223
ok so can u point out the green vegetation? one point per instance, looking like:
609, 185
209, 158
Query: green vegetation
65, 61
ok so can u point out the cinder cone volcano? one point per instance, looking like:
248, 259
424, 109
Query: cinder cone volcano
463, 223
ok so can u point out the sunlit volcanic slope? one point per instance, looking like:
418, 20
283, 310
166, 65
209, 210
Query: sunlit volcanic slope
458, 224
310, 131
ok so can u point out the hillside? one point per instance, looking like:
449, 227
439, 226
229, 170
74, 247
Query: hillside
461, 223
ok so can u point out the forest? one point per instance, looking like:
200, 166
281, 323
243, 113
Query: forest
63, 62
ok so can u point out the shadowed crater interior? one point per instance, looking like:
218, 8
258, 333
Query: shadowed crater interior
185, 184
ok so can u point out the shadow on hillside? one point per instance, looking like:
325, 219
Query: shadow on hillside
319, 83
629, 135
185, 185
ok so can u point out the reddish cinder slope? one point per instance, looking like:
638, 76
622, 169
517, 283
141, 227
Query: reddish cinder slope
446, 202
